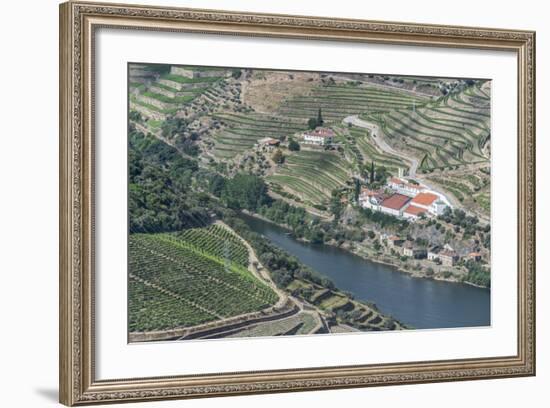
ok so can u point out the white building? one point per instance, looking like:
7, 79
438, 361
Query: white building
319, 136
429, 202
405, 187
423, 198
371, 199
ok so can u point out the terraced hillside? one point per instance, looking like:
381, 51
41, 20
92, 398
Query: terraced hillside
312, 175
302, 323
363, 149
341, 100
189, 278
361, 316
471, 189
242, 131
168, 90
452, 131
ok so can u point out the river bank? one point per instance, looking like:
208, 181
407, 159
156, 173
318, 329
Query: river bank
419, 303
365, 254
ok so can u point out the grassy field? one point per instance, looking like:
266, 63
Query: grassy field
191, 277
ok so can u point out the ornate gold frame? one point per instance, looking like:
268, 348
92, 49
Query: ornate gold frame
78, 22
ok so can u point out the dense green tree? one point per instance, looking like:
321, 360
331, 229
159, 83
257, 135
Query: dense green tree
371, 179
381, 175
236, 73
173, 126
278, 157
356, 190
159, 197
293, 145
320, 120
216, 184
135, 116
245, 191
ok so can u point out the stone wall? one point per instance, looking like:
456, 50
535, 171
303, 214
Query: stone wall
190, 73
213, 328
146, 112
171, 84
155, 102
184, 72
162, 91
211, 73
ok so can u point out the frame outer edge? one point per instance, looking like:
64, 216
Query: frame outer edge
75, 386
66, 360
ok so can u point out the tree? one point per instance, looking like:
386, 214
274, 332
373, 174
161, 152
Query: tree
381, 175
312, 123
278, 156
357, 190
236, 73
319, 118
293, 145
371, 172
245, 191
135, 116
335, 206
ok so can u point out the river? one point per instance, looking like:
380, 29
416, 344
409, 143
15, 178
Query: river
420, 303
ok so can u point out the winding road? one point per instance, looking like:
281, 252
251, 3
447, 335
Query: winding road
382, 145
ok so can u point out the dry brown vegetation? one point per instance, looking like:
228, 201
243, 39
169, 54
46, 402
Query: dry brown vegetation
265, 90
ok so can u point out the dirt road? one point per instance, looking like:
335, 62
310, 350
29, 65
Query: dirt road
381, 143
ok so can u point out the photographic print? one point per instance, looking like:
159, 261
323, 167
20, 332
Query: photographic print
276, 203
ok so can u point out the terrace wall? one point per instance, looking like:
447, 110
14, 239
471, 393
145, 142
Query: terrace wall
213, 328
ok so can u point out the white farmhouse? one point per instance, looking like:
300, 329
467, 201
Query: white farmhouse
319, 136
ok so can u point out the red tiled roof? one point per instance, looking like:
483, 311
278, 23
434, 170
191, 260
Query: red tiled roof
424, 199
414, 210
321, 132
396, 201
395, 180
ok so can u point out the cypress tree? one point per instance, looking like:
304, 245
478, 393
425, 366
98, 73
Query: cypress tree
319, 118
371, 172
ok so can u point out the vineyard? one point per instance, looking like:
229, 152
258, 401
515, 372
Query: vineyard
360, 143
339, 101
243, 131
191, 277
312, 175
157, 93
449, 132
472, 190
